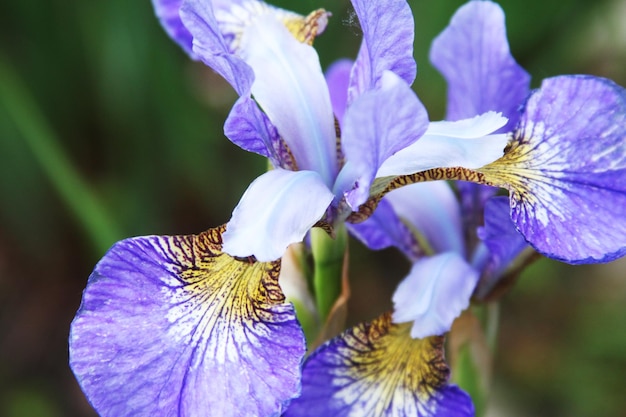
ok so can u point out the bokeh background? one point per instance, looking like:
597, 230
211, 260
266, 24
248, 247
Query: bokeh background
107, 130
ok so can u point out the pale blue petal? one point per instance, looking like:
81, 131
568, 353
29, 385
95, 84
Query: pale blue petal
464, 143
290, 88
377, 125
387, 44
435, 292
171, 326
473, 55
432, 209
276, 210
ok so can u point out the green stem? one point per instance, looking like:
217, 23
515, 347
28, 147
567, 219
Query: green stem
40, 138
328, 258
472, 367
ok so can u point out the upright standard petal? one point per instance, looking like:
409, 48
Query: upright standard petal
378, 370
168, 13
435, 292
566, 170
473, 55
276, 210
377, 125
290, 88
387, 44
173, 326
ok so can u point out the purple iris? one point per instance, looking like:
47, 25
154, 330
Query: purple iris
286, 113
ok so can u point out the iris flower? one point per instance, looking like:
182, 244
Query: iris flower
198, 325
564, 167
438, 233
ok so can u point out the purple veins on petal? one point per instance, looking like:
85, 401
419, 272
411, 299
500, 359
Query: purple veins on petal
170, 325
378, 369
387, 44
473, 55
566, 170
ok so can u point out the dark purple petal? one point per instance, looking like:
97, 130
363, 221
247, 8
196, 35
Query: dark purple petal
377, 125
377, 369
168, 13
384, 229
387, 44
172, 326
566, 170
502, 241
473, 55
338, 81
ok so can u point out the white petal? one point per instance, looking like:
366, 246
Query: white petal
434, 293
290, 88
276, 210
466, 143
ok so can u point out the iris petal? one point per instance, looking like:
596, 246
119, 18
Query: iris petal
276, 210
502, 240
210, 46
387, 44
464, 143
436, 291
384, 229
473, 55
372, 133
378, 370
173, 326
168, 13
432, 209
566, 170
290, 88
338, 80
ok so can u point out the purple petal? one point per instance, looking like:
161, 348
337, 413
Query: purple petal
473, 55
249, 128
377, 369
377, 125
276, 210
291, 89
168, 13
338, 81
387, 44
502, 241
566, 170
173, 326
435, 292
210, 47
431, 209
384, 229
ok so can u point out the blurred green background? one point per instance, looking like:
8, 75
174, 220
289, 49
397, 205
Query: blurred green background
107, 130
